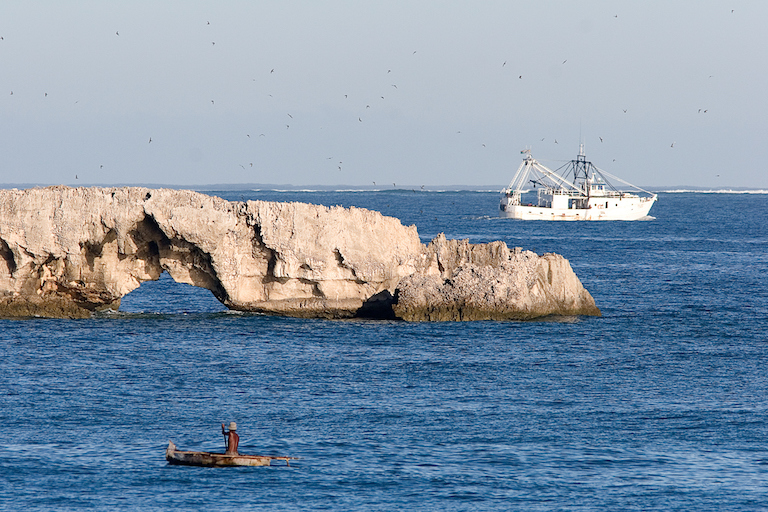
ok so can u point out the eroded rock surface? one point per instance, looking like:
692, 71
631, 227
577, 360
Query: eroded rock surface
66, 252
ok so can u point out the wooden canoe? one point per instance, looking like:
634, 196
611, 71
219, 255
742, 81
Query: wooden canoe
216, 460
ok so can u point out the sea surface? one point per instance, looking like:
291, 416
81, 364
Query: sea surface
660, 404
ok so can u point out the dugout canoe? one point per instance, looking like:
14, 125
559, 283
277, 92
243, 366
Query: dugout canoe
217, 460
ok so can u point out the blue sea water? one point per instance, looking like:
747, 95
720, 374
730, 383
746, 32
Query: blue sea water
660, 404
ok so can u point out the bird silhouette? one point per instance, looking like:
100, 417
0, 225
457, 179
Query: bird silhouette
117, 33
150, 140
601, 139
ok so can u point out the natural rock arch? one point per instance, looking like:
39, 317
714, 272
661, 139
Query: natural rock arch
66, 252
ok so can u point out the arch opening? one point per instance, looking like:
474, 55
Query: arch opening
166, 296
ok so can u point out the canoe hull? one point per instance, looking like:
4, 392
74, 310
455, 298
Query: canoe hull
214, 460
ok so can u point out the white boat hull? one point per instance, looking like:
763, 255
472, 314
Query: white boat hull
632, 208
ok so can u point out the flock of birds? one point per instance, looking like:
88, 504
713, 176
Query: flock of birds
360, 117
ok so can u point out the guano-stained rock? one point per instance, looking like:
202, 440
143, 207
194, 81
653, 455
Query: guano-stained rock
67, 252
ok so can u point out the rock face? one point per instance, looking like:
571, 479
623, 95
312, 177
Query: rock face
66, 252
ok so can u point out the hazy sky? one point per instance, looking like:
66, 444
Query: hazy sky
356, 92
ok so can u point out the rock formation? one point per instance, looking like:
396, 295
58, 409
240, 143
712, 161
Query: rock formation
66, 252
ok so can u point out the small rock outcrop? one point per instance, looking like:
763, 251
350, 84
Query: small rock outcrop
67, 252
464, 281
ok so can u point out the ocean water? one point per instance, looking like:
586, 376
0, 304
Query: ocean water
660, 404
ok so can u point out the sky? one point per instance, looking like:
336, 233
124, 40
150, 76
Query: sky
381, 93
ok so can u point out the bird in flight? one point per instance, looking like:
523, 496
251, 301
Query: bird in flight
150, 140
625, 110
672, 145
117, 33
601, 139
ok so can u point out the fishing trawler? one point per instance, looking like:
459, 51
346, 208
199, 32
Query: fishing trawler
576, 191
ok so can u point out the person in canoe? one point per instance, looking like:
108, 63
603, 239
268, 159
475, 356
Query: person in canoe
232, 439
